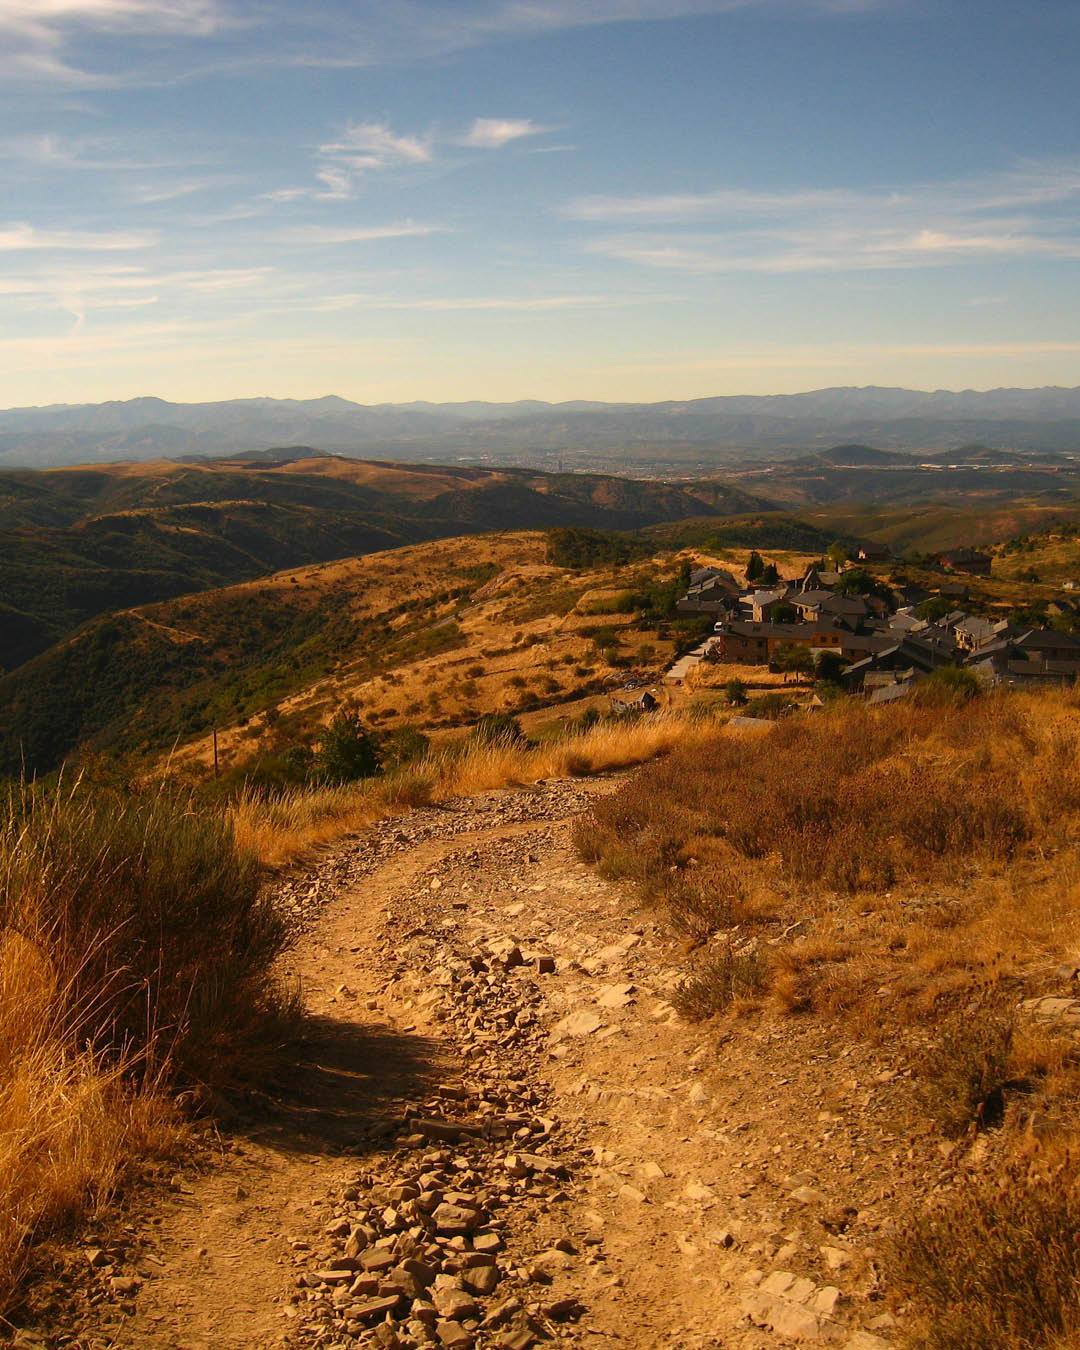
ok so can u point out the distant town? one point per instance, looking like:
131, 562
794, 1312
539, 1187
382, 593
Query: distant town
842, 623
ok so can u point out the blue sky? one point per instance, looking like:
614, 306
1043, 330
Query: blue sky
614, 199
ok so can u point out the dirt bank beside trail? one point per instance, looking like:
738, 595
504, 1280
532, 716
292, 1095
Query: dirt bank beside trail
500, 1134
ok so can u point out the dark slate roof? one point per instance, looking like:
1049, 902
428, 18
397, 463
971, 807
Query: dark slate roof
826, 600
978, 629
889, 693
1047, 638
752, 628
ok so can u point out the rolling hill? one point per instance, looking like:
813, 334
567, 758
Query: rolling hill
75, 543
975, 476
432, 634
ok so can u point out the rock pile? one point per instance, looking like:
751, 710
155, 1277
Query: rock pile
421, 1252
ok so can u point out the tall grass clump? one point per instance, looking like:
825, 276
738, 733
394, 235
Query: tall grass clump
135, 953
146, 920
998, 1262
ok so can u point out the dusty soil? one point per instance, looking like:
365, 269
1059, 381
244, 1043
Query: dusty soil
645, 1183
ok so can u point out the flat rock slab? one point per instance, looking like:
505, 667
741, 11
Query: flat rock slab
582, 1023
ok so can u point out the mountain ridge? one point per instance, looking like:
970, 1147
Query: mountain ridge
1045, 419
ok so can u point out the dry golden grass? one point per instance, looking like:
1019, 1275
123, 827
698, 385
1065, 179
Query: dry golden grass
281, 829
997, 1261
135, 950
70, 1131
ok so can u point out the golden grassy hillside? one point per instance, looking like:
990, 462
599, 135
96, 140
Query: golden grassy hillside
521, 637
533, 639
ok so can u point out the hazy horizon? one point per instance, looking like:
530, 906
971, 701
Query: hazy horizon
481, 400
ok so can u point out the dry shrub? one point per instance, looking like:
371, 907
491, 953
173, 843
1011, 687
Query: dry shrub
852, 800
998, 1264
718, 980
705, 898
134, 949
964, 1076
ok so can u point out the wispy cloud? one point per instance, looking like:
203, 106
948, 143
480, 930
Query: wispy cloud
82, 291
45, 40
1029, 211
485, 304
329, 234
375, 147
37, 35
148, 194
20, 237
492, 133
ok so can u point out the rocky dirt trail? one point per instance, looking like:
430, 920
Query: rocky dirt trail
500, 1134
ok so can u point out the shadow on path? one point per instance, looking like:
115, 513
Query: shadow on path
343, 1084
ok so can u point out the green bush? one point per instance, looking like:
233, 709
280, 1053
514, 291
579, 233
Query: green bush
347, 750
829, 666
735, 692
405, 745
949, 684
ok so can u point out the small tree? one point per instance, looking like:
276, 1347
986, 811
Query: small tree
793, 659
754, 566
838, 554
735, 692
935, 608
829, 666
770, 576
347, 751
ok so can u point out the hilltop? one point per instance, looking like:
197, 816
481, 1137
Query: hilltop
75, 543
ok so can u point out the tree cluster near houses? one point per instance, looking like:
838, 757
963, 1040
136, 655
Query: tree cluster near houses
878, 641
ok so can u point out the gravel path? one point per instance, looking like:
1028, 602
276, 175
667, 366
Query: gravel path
500, 1135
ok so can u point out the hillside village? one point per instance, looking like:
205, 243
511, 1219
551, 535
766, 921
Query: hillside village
870, 636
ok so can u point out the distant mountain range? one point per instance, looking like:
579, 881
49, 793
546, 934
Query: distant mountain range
651, 437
